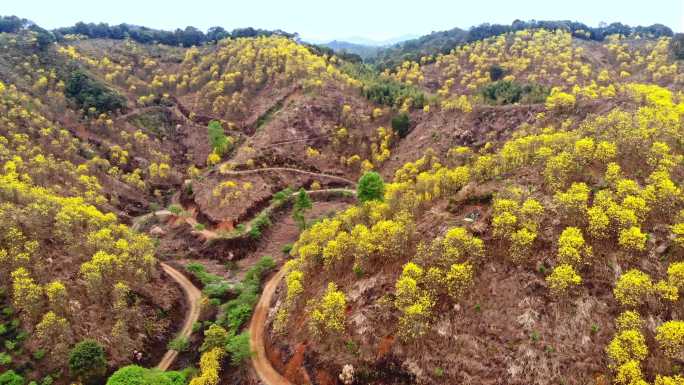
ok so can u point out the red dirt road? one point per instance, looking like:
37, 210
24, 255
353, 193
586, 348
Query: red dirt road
267, 374
192, 296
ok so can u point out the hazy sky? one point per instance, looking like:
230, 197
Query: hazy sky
319, 19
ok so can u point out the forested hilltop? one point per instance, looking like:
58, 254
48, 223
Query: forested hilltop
497, 205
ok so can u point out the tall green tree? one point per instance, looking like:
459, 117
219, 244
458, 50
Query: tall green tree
220, 143
370, 187
301, 205
87, 362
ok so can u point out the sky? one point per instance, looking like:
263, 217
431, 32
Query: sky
326, 20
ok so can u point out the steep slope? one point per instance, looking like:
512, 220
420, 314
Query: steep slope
531, 230
67, 261
550, 254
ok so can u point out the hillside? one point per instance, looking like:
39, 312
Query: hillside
441, 42
498, 204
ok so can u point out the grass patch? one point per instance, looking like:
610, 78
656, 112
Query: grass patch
268, 115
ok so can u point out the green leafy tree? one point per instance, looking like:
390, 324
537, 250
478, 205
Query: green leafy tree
11, 378
220, 143
87, 362
496, 72
301, 205
370, 187
401, 124
214, 337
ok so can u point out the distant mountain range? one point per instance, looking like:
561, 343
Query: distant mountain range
364, 47
363, 41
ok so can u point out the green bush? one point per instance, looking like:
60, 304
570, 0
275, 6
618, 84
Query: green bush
370, 187
87, 361
200, 272
239, 348
678, 46
11, 378
197, 326
136, 375
507, 92
383, 90
401, 124
237, 311
21, 336
218, 290
282, 195
260, 223
88, 93
256, 272
39, 354
5, 359
179, 344
175, 209
496, 72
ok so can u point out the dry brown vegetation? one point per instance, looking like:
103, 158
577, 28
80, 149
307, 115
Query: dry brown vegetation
537, 242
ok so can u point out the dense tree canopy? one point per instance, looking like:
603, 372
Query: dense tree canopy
187, 37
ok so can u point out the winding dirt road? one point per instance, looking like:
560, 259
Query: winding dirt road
192, 296
291, 170
262, 365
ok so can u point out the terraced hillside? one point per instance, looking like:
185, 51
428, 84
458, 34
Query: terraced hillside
507, 212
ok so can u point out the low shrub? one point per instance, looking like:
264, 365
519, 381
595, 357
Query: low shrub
218, 290
237, 311
496, 72
282, 196
175, 209
11, 378
87, 361
239, 348
136, 375
260, 223
92, 95
5, 359
179, 344
508, 92
401, 124
201, 274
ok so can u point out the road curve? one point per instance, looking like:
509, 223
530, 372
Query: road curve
192, 296
262, 365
